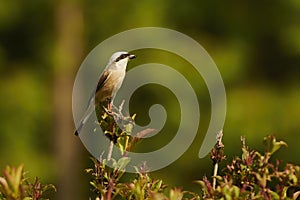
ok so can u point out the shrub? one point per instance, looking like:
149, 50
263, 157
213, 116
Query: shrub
15, 186
250, 176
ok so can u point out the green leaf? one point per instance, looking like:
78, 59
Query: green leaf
235, 191
176, 194
274, 195
93, 184
122, 163
272, 145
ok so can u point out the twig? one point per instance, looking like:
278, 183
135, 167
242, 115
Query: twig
110, 150
214, 175
217, 156
110, 190
121, 106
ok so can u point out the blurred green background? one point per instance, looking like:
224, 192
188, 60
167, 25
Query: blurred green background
256, 46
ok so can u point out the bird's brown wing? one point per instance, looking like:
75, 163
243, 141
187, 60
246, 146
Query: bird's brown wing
103, 79
104, 76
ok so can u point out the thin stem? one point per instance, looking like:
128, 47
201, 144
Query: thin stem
218, 156
110, 190
110, 150
214, 175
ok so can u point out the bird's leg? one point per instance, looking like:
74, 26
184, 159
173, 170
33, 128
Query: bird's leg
109, 106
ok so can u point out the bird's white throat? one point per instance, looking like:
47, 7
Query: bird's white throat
121, 64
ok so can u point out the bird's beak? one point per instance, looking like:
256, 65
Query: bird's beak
131, 56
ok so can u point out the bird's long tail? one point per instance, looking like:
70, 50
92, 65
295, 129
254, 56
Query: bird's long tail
85, 118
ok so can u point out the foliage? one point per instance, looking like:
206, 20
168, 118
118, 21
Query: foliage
254, 176
250, 176
106, 182
110, 122
14, 186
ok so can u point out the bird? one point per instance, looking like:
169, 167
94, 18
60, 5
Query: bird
108, 85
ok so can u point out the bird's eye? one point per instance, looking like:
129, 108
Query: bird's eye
122, 57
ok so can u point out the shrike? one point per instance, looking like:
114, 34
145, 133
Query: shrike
109, 83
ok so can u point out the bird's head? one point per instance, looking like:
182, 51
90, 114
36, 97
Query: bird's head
120, 59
